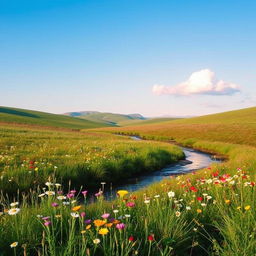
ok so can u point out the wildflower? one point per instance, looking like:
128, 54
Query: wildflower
192, 188
61, 197
130, 204
57, 185
156, 196
82, 214
198, 210
96, 241
209, 197
171, 194
50, 193
120, 226
84, 192
98, 194
46, 218
88, 221
74, 214
199, 198
147, 201
122, 193
238, 208
70, 195
247, 207
47, 223
127, 215
13, 211
105, 215
55, 204
227, 201
48, 184
150, 238
188, 208
83, 231
109, 225
14, 244
99, 223
103, 231
131, 239
115, 211
14, 204
41, 195
88, 227
177, 213
58, 216
76, 208
66, 203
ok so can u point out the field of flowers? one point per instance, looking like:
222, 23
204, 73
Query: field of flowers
28, 157
211, 212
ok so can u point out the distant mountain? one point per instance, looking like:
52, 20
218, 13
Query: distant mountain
30, 117
106, 118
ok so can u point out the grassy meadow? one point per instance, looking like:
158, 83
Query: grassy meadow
209, 212
17, 116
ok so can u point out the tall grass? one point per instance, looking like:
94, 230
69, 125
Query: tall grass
29, 157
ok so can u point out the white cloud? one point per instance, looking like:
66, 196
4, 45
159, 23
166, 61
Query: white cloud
200, 82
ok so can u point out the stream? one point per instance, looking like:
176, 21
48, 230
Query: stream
194, 160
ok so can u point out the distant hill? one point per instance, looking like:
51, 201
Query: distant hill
29, 117
156, 120
106, 118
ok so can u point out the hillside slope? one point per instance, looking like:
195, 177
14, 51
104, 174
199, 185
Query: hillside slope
29, 117
237, 126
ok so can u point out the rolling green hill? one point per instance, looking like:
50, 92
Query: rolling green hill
29, 117
107, 118
237, 126
147, 121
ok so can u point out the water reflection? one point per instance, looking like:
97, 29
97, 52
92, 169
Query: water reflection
195, 160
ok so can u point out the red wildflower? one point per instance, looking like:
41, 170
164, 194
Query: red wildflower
215, 174
131, 238
193, 189
150, 238
199, 198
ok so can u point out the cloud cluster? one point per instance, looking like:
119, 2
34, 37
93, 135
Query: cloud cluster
201, 82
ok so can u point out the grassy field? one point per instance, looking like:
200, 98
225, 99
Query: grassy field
29, 157
23, 116
210, 212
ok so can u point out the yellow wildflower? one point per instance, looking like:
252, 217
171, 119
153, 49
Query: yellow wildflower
76, 208
247, 207
103, 231
227, 201
199, 210
88, 227
122, 193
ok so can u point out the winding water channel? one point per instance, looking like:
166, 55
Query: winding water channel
195, 160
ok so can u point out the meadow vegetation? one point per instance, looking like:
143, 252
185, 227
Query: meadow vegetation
29, 157
209, 212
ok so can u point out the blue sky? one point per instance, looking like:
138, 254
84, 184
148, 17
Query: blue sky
70, 55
